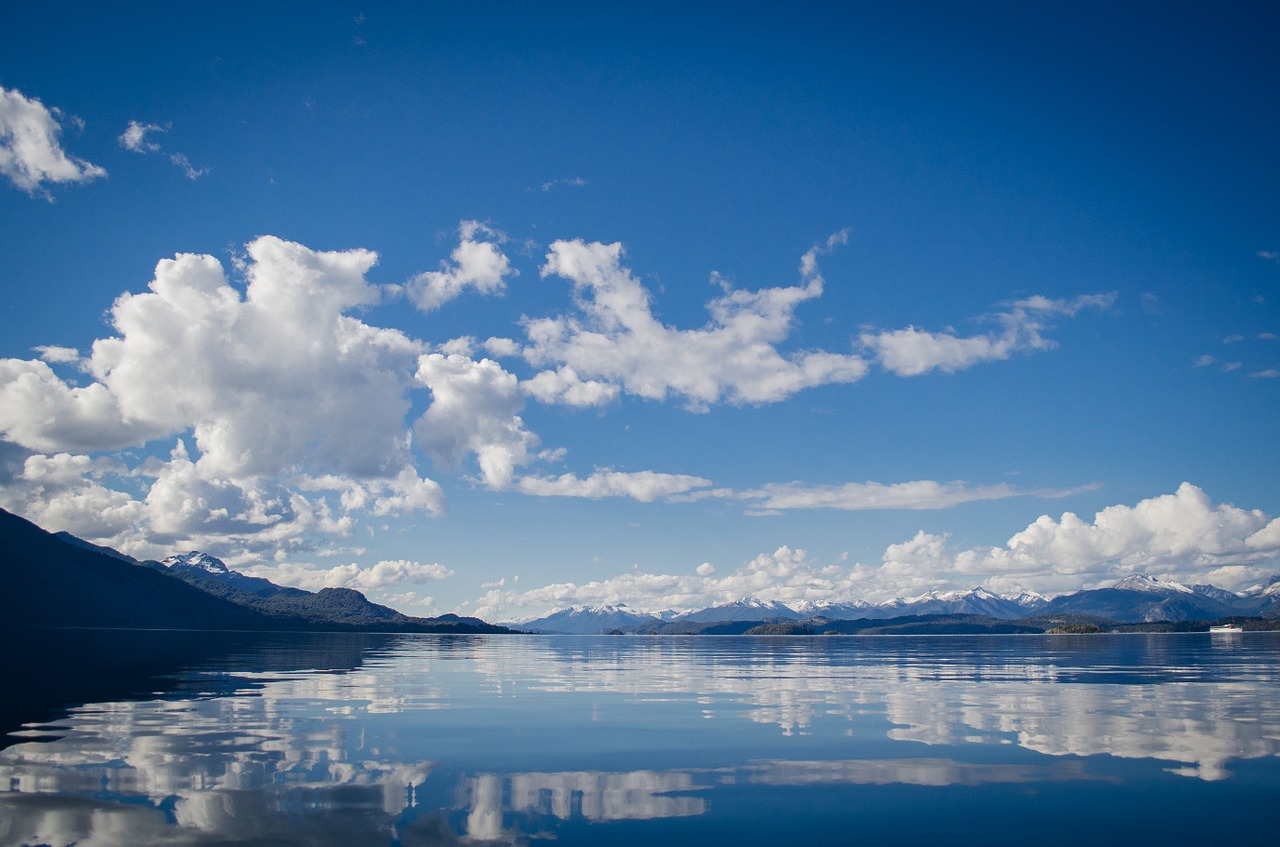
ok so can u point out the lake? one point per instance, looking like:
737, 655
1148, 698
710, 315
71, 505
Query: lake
147, 738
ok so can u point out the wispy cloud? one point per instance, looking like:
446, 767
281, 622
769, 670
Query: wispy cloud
864, 496
31, 156
136, 138
570, 182
912, 351
645, 486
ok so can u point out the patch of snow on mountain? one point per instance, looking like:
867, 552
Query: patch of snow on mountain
198, 561
1149, 583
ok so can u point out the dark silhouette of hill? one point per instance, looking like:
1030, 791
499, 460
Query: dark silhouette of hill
51, 581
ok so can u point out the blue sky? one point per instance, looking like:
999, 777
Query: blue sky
499, 310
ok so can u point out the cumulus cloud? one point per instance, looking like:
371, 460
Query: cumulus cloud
912, 351
30, 153
565, 387
275, 388
476, 263
645, 486
474, 410
617, 340
384, 582
135, 138
268, 380
67, 491
1181, 536
40, 411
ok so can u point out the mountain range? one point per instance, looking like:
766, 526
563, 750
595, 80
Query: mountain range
1140, 598
62, 581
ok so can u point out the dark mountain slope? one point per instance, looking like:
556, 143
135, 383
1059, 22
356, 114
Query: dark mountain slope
324, 609
46, 581
52, 581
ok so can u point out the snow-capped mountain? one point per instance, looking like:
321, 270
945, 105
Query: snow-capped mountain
1136, 598
1222, 595
195, 560
1270, 588
745, 609
1029, 600
586, 620
1150, 584
832, 611
975, 601
1142, 597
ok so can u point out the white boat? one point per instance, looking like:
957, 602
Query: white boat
1226, 627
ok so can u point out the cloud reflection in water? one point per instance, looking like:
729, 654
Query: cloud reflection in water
338, 757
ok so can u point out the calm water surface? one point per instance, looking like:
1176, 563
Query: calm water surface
183, 738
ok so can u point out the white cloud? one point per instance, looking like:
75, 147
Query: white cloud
787, 575
572, 182
645, 486
617, 340
501, 347
135, 138
270, 380
277, 387
373, 580
912, 351
65, 492
1269, 373
1204, 361
40, 411
56, 355
565, 387
476, 264
858, 496
474, 410
30, 155
1182, 536
189, 170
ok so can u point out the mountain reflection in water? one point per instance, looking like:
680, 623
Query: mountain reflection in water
400, 739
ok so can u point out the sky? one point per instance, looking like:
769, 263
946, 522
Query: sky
498, 310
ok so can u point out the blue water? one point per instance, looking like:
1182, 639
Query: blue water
424, 740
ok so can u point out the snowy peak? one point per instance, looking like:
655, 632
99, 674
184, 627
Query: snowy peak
1150, 584
586, 620
1270, 588
978, 593
744, 609
195, 560
811, 608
